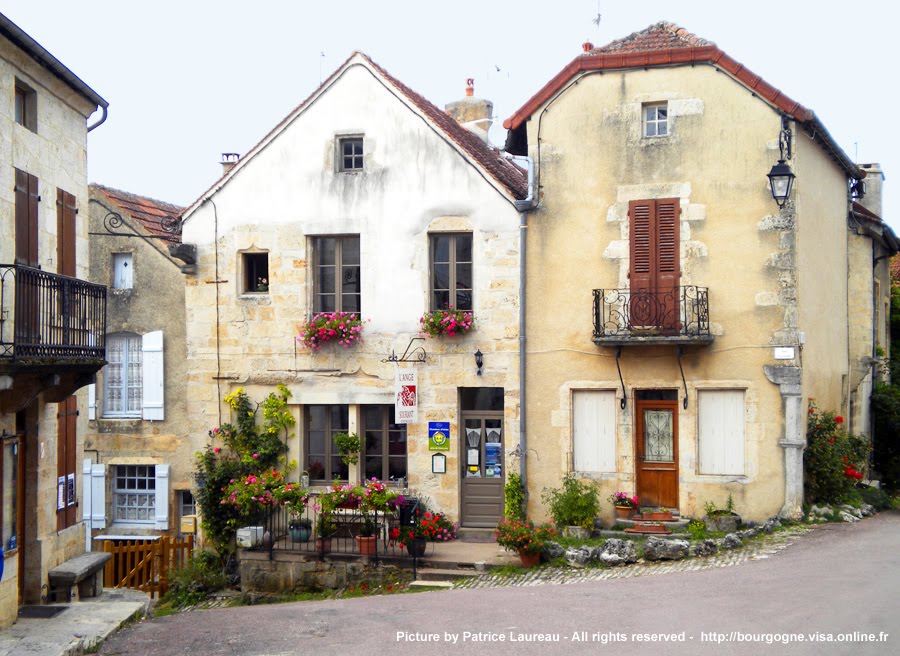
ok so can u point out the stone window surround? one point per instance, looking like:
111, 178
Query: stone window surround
26, 105
651, 122
356, 157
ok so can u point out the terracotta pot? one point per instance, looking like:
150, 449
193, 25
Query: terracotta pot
323, 545
529, 559
624, 512
657, 516
366, 545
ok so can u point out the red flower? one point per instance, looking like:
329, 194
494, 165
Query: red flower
839, 419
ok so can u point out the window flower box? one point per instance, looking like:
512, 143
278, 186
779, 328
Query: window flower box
343, 328
448, 322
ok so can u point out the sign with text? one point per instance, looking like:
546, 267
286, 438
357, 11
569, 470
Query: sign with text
407, 401
438, 435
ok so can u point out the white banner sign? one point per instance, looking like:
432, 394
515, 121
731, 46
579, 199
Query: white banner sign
407, 401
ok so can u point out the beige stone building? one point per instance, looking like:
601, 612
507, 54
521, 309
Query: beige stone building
51, 319
370, 200
678, 316
141, 459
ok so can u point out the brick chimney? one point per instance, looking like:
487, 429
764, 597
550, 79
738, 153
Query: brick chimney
472, 113
874, 180
228, 161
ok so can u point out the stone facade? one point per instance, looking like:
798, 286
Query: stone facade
777, 281
48, 142
419, 178
149, 301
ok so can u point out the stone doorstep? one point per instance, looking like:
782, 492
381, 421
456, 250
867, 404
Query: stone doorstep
475, 534
672, 524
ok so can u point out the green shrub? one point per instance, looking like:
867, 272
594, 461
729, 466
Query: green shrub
514, 496
886, 413
833, 460
697, 529
574, 503
193, 583
876, 497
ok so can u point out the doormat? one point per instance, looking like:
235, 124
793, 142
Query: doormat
40, 612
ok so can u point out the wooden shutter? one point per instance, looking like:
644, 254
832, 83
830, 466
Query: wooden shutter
655, 263
594, 430
153, 380
642, 251
26, 218
721, 432
66, 419
65, 233
667, 249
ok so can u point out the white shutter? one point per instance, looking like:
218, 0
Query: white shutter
162, 497
94, 493
721, 434
123, 264
92, 401
153, 382
594, 428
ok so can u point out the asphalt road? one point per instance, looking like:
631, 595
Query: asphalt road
834, 588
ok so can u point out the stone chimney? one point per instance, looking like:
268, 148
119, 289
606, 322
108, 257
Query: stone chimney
472, 113
874, 180
228, 161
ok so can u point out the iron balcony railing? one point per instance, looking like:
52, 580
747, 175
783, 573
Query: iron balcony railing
49, 317
647, 315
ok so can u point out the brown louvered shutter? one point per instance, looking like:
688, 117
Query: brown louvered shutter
642, 256
26, 218
65, 234
667, 251
655, 262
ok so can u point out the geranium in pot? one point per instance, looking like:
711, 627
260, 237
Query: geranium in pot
524, 538
625, 505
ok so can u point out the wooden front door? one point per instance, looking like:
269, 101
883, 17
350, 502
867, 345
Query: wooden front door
657, 452
655, 263
482, 468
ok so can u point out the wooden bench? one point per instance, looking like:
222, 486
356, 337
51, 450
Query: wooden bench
85, 571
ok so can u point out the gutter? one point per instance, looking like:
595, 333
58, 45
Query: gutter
524, 206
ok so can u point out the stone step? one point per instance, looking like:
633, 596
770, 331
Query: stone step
431, 584
475, 534
673, 524
434, 574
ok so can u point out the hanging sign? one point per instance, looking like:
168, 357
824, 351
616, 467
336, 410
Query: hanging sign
407, 400
438, 435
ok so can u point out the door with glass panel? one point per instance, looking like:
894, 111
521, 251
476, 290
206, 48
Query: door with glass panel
656, 448
483, 470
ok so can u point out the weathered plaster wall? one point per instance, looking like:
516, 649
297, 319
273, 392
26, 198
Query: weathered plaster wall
734, 241
414, 184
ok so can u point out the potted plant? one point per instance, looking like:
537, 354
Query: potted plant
447, 322
325, 528
344, 328
624, 504
721, 519
374, 497
348, 446
300, 529
523, 537
574, 505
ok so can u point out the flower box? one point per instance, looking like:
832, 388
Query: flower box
342, 328
448, 322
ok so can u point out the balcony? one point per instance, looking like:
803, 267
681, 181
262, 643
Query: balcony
671, 315
52, 334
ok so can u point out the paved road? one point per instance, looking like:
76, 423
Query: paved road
838, 579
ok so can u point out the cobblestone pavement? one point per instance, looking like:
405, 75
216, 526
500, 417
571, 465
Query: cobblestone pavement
757, 549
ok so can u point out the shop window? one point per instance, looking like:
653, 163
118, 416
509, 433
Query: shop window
323, 422
385, 444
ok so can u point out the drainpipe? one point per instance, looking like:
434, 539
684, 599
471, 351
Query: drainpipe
528, 203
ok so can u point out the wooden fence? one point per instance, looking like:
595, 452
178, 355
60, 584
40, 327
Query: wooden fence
145, 564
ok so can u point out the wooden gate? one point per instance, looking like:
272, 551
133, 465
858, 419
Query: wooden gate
145, 564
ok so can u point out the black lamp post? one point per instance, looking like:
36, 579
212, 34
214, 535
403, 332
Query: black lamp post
781, 178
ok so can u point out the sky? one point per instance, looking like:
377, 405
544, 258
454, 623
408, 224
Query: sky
189, 80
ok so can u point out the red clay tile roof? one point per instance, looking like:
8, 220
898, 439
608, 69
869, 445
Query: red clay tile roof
661, 36
146, 211
865, 213
666, 44
509, 175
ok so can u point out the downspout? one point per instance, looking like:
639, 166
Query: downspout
100, 121
528, 203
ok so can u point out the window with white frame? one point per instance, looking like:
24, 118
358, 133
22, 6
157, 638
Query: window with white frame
123, 267
123, 376
656, 120
721, 432
594, 430
133, 378
135, 494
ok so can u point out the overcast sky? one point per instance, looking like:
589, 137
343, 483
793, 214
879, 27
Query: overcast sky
189, 80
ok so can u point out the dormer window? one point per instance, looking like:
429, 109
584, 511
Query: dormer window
656, 120
350, 154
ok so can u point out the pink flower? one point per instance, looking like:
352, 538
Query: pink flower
255, 456
216, 450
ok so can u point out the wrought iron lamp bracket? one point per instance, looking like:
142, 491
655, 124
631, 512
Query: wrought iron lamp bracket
411, 354
113, 222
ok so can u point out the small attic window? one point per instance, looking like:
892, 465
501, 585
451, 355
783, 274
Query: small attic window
256, 273
350, 154
26, 106
656, 120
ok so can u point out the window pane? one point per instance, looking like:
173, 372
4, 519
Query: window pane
441, 300
441, 249
351, 303
441, 276
397, 444
374, 442
651, 129
324, 251
373, 467
464, 248
350, 280
662, 128
464, 276
325, 303
326, 279
463, 300
396, 468
350, 250
317, 442
340, 418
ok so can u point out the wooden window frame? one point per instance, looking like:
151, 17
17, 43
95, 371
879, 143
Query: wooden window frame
351, 153
328, 472
26, 106
655, 122
453, 290
384, 428
126, 395
339, 295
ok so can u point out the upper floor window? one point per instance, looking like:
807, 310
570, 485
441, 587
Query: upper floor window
350, 154
451, 271
256, 272
123, 270
26, 106
123, 376
656, 120
337, 286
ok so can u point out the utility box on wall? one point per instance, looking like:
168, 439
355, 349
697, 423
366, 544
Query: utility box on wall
188, 524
